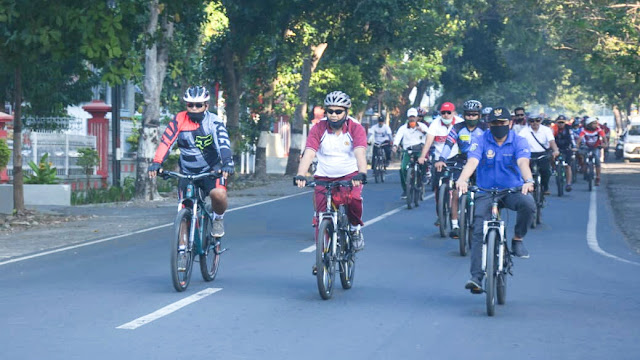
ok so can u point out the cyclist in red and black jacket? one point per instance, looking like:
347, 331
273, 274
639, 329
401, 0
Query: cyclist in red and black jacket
204, 147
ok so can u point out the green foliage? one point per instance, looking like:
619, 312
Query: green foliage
108, 195
44, 172
5, 154
88, 160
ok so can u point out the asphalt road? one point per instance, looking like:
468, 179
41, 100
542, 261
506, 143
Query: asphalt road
575, 298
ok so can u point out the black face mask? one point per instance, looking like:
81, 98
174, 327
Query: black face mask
471, 123
338, 124
499, 131
196, 117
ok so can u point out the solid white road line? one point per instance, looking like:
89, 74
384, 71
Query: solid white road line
48, 252
132, 325
312, 248
592, 239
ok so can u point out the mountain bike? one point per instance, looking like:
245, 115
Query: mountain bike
590, 164
538, 192
496, 257
413, 180
334, 250
561, 175
379, 162
574, 166
192, 237
446, 186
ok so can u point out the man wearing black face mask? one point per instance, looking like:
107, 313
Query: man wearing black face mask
502, 161
204, 147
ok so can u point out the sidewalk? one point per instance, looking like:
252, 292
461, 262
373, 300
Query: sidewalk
622, 183
100, 221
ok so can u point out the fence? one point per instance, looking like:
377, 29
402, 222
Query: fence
62, 150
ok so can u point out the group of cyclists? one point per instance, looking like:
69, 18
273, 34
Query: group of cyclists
493, 146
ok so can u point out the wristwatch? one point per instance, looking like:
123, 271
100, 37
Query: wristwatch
529, 181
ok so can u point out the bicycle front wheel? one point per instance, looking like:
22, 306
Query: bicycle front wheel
501, 281
409, 187
324, 260
211, 248
443, 208
347, 261
181, 254
492, 268
463, 239
560, 181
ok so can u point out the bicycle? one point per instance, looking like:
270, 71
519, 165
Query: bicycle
574, 166
561, 175
590, 164
538, 192
193, 234
333, 243
379, 162
446, 185
496, 257
413, 180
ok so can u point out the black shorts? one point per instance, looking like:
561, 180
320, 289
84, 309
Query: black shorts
205, 185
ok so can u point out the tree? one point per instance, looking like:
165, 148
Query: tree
42, 34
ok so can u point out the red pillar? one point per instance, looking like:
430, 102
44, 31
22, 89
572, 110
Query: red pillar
99, 127
4, 120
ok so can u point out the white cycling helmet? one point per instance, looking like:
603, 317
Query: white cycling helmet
590, 120
487, 110
196, 94
337, 98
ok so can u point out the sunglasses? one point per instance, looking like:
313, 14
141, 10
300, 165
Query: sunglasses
195, 105
535, 120
519, 115
471, 114
445, 112
337, 112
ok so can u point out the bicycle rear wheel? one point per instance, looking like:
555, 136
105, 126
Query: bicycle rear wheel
211, 247
443, 208
347, 261
491, 270
590, 177
560, 180
417, 189
409, 187
324, 260
501, 284
464, 225
181, 257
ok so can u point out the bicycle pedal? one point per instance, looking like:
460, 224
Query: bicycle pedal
221, 251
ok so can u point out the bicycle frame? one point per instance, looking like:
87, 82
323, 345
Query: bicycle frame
332, 211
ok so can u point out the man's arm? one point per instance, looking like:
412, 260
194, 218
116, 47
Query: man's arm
463, 181
361, 159
425, 149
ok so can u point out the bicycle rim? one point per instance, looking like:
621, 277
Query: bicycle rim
443, 200
490, 286
501, 282
462, 239
181, 259
324, 261
210, 259
347, 261
409, 187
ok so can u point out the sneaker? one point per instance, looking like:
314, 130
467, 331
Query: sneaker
404, 195
567, 188
475, 285
437, 223
357, 240
597, 181
547, 192
518, 249
217, 230
455, 233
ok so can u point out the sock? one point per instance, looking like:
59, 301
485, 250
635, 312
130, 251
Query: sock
354, 227
454, 223
217, 216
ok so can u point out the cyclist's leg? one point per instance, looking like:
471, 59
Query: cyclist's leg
545, 172
525, 206
403, 170
217, 190
567, 157
598, 168
387, 152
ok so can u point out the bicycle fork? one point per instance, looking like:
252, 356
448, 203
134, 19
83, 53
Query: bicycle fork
489, 225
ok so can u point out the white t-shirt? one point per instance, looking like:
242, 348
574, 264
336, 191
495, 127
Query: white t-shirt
380, 134
411, 136
544, 136
440, 132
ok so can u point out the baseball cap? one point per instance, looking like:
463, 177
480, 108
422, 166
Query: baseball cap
447, 107
412, 112
499, 113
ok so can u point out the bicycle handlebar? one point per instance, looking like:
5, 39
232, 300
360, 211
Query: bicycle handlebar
168, 174
495, 191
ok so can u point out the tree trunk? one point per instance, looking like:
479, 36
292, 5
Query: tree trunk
618, 116
156, 60
422, 87
308, 66
232, 108
263, 125
18, 180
